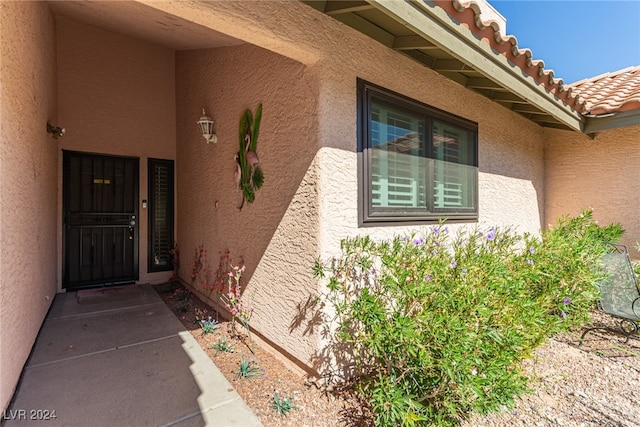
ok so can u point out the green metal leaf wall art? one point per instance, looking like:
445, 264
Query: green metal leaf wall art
248, 176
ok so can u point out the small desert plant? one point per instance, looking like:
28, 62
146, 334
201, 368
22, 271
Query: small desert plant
208, 326
200, 273
183, 307
233, 300
200, 315
222, 346
181, 295
282, 405
226, 284
248, 370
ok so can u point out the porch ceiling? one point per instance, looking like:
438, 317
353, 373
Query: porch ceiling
139, 21
463, 51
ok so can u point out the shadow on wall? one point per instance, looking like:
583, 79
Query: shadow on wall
275, 231
228, 81
333, 362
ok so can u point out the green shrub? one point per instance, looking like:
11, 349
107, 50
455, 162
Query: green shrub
223, 346
282, 405
248, 370
435, 325
209, 325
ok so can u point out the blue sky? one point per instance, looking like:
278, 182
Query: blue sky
577, 39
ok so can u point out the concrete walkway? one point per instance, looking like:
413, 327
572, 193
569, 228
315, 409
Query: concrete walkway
119, 357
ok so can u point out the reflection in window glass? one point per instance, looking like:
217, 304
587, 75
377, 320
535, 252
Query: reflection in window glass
419, 162
397, 162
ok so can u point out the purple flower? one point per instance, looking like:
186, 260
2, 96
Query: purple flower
436, 230
428, 278
532, 250
418, 241
373, 271
454, 264
530, 262
491, 235
464, 271
563, 314
566, 301
434, 252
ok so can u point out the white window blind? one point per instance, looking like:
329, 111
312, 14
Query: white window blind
398, 162
452, 184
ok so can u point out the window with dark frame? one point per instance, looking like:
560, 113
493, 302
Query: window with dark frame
416, 163
160, 215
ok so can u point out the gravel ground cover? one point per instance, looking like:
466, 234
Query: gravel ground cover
593, 383
596, 383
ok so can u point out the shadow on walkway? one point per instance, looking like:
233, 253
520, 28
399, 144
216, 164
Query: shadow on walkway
119, 357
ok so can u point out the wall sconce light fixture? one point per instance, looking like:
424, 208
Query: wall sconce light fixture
206, 127
56, 131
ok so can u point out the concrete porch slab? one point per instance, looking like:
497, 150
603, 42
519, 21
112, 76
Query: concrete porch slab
72, 303
134, 365
75, 335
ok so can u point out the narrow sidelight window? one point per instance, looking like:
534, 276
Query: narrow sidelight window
416, 163
160, 214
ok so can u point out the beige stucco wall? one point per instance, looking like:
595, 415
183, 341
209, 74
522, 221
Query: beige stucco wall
117, 97
28, 177
307, 150
599, 173
276, 235
510, 147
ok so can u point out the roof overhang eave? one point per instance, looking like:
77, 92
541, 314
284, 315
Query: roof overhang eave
433, 23
601, 123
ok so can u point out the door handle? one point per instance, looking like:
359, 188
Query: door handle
132, 223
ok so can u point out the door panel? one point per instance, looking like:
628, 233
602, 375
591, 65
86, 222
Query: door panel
100, 220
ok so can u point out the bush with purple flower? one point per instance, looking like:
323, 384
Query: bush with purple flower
434, 325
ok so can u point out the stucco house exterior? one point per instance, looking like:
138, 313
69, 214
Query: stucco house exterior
379, 117
598, 169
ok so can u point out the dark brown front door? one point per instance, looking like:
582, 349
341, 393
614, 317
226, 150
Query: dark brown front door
100, 220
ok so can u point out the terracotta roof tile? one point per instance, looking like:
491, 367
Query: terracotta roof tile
610, 92
468, 13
